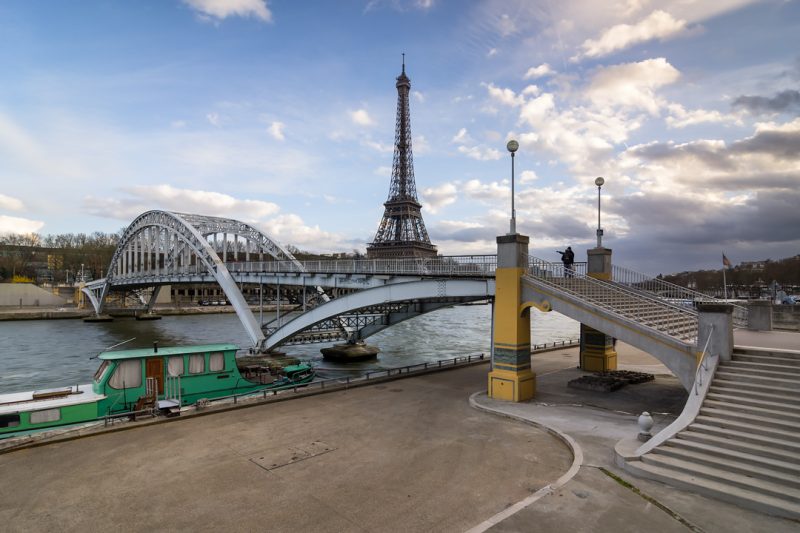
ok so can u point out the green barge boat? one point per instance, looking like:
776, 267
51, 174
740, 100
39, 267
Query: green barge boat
129, 381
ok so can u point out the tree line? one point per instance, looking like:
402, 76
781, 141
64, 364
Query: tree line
56, 258
786, 272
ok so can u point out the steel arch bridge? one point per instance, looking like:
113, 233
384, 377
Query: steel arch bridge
162, 247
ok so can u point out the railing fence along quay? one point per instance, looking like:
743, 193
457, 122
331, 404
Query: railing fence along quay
665, 289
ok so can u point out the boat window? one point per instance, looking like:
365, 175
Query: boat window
197, 364
127, 375
100, 371
47, 415
9, 421
175, 365
216, 362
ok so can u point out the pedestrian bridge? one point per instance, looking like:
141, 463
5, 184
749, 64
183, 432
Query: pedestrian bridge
166, 248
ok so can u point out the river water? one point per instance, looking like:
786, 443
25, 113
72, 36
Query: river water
39, 354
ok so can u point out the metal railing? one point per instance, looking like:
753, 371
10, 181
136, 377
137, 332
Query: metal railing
450, 266
333, 383
670, 291
646, 309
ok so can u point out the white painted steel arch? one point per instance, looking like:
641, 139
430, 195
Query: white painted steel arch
464, 290
180, 237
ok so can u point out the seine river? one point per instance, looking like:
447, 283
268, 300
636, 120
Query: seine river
49, 353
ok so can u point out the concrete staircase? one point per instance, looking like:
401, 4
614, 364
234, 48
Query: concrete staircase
744, 445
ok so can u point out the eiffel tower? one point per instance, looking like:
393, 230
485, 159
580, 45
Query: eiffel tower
402, 232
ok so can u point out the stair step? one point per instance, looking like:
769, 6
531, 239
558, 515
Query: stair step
754, 366
735, 408
742, 434
747, 498
763, 422
745, 463
747, 427
784, 383
732, 443
763, 359
776, 371
760, 393
766, 352
732, 397
733, 383
732, 479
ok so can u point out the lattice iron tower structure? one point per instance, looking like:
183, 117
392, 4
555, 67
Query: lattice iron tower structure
402, 232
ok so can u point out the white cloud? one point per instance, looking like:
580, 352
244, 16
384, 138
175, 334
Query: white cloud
167, 197
505, 25
538, 72
222, 9
679, 117
421, 145
527, 176
361, 117
632, 85
487, 191
213, 119
383, 171
379, 146
480, 153
435, 198
290, 229
658, 25
11, 203
504, 96
276, 130
418, 95
462, 137
492, 52
531, 90
19, 225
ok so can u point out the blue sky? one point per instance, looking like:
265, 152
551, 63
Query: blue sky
282, 114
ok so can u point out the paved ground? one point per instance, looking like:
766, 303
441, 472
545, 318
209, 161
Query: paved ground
407, 455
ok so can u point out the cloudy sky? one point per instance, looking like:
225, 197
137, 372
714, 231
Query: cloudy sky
281, 113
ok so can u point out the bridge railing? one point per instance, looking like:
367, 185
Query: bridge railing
670, 291
614, 297
449, 266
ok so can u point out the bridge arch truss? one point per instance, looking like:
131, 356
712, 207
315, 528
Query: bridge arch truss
159, 244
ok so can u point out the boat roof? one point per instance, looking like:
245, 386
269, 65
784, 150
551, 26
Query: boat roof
138, 353
17, 402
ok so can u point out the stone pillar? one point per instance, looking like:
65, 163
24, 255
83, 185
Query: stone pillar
511, 378
759, 315
597, 353
715, 327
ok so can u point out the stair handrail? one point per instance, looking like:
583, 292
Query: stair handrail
537, 267
702, 382
643, 282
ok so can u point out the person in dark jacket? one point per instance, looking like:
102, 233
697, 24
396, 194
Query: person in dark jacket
568, 258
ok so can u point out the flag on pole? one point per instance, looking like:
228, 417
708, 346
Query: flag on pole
725, 261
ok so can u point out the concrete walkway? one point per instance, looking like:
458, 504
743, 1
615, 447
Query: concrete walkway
406, 455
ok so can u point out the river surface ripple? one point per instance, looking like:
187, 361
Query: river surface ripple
36, 354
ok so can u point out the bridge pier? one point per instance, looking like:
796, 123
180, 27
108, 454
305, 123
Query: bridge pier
511, 378
597, 353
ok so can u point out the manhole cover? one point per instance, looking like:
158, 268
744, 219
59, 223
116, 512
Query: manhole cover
276, 458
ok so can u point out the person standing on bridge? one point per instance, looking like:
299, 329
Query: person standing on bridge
568, 258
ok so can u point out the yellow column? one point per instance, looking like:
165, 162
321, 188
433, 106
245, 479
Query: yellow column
511, 378
597, 353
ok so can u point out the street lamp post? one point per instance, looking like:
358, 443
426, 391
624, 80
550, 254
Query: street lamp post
599, 182
512, 147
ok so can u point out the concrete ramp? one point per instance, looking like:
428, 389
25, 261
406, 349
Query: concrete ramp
27, 294
666, 331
